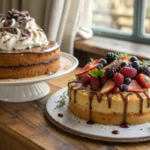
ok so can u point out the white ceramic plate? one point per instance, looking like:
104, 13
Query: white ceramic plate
67, 64
77, 126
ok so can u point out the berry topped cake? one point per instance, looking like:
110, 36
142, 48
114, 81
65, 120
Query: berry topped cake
114, 90
24, 48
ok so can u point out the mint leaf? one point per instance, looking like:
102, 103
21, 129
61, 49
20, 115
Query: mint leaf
97, 73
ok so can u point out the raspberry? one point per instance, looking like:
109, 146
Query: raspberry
95, 83
115, 90
86, 80
119, 78
128, 72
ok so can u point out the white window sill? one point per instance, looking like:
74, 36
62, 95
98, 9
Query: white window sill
101, 45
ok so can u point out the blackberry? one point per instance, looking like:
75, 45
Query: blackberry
145, 70
110, 57
110, 72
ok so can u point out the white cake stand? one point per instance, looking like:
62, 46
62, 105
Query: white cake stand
29, 89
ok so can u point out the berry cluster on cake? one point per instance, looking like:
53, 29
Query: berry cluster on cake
24, 48
113, 90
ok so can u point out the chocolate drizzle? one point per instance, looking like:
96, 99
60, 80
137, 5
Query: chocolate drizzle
148, 98
91, 95
109, 96
125, 98
141, 102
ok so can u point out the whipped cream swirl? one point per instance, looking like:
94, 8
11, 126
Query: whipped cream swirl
19, 31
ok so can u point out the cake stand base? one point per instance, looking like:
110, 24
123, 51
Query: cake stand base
24, 92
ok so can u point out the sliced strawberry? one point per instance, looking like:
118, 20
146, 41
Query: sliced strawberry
108, 86
143, 80
135, 87
85, 72
87, 67
95, 62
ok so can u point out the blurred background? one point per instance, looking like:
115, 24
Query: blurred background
117, 14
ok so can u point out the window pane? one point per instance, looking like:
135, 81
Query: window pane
147, 19
113, 14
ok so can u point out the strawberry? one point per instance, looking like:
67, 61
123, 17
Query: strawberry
85, 71
86, 79
87, 67
119, 78
95, 62
143, 80
103, 80
108, 86
135, 87
115, 90
128, 72
95, 83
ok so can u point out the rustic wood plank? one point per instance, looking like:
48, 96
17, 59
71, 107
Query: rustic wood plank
101, 45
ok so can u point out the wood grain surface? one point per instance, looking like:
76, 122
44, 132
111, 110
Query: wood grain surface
23, 126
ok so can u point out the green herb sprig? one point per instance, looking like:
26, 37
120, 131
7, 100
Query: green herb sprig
97, 73
119, 55
62, 101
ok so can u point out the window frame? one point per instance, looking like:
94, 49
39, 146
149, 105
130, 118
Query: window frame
138, 34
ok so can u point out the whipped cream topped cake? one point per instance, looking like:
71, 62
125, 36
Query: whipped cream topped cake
114, 90
25, 50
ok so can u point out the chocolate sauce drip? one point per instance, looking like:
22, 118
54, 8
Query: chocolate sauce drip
109, 96
125, 100
90, 122
99, 97
69, 92
71, 89
60, 115
115, 132
148, 98
75, 91
74, 81
141, 102
124, 125
91, 95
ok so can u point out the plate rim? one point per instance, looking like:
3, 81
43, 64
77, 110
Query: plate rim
41, 78
90, 136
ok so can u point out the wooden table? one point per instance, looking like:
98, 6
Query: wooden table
23, 126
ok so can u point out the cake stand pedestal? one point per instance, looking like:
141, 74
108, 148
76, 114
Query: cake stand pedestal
24, 93
29, 89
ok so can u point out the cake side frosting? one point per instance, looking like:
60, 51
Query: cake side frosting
19, 31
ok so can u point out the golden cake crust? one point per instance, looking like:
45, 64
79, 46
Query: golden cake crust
30, 62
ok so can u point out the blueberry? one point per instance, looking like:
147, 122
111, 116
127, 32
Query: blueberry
100, 66
124, 64
127, 81
103, 61
133, 58
124, 87
135, 64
